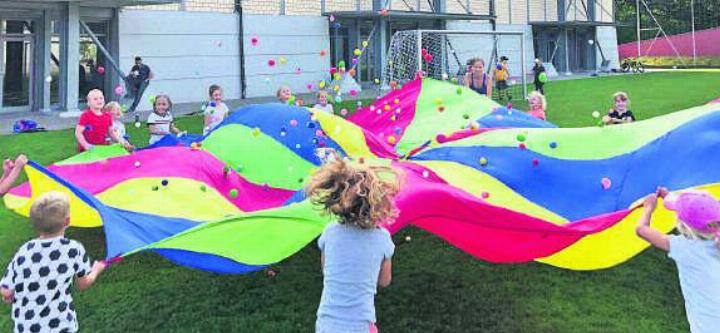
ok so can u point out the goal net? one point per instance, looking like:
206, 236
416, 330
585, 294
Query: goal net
443, 55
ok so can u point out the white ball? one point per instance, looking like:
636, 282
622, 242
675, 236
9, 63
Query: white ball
407, 238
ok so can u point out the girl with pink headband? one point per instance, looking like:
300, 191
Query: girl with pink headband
696, 252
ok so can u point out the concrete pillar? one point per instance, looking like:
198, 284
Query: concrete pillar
42, 61
114, 45
70, 59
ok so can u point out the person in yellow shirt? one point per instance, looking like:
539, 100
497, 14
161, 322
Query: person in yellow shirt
501, 77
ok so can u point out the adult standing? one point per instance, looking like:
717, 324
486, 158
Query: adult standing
538, 69
139, 78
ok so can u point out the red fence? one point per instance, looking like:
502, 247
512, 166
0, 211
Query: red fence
707, 45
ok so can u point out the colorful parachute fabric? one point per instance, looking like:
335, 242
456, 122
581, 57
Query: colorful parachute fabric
499, 185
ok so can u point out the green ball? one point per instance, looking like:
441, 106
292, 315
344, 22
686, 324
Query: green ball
203, 188
459, 91
521, 137
543, 77
233, 193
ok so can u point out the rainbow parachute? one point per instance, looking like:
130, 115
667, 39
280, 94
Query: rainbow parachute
494, 182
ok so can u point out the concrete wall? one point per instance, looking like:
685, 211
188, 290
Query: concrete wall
189, 51
607, 38
298, 39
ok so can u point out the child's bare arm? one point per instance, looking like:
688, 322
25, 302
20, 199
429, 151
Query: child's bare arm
385, 273
643, 229
207, 121
88, 280
7, 295
9, 179
79, 129
174, 129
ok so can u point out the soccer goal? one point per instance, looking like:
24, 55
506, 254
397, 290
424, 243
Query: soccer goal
443, 55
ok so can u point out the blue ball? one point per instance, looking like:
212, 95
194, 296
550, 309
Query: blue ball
164, 182
212, 104
499, 67
553, 145
310, 124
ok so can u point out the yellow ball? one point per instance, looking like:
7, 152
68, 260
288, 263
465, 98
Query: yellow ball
377, 81
256, 131
283, 61
357, 52
391, 139
336, 87
321, 85
391, 62
438, 101
483, 161
397, 101
365, 43
387, 107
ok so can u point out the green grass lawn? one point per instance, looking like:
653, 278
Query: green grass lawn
436, 288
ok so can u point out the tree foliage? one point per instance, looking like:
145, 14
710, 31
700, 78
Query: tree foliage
673, 15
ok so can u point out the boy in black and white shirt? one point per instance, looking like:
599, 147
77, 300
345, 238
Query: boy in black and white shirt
38, 279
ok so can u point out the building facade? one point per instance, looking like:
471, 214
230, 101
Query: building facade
53, 52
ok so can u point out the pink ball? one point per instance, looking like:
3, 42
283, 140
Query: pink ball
271, 62
606, 183
101, 70
319, 133
344, 112
333, 71
353, 92
310, 87
254, 41
536, 162
485, 195
119, 90
293, 122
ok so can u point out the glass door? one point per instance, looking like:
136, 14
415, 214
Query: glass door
16, 70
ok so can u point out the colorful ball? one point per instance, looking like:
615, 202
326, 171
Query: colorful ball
233, 193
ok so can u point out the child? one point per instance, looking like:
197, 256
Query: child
538, 69
10, 173
323, 104
161, 121
476, 79
620, 113
696, 252
538, 103
38, 279
216, 110
113, 108
355, 252
284, 94
95, 127
501, 76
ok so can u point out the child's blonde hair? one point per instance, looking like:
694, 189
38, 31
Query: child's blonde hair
358, 195
322, 93
623, 96
49, 212
690, 233
109, 107
543, 100
283, 87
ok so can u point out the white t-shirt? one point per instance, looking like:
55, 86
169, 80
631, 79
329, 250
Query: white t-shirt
41, 274
698, 264
327, 108
119, 128
217, 115
161, 123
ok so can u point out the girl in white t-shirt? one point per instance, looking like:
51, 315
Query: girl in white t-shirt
322, 103
216, 111
696, 252
161, 121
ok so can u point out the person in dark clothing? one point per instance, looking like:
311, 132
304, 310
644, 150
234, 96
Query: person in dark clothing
538, 69
139, 78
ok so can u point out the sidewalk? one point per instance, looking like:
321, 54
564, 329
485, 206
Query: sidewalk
53, 120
